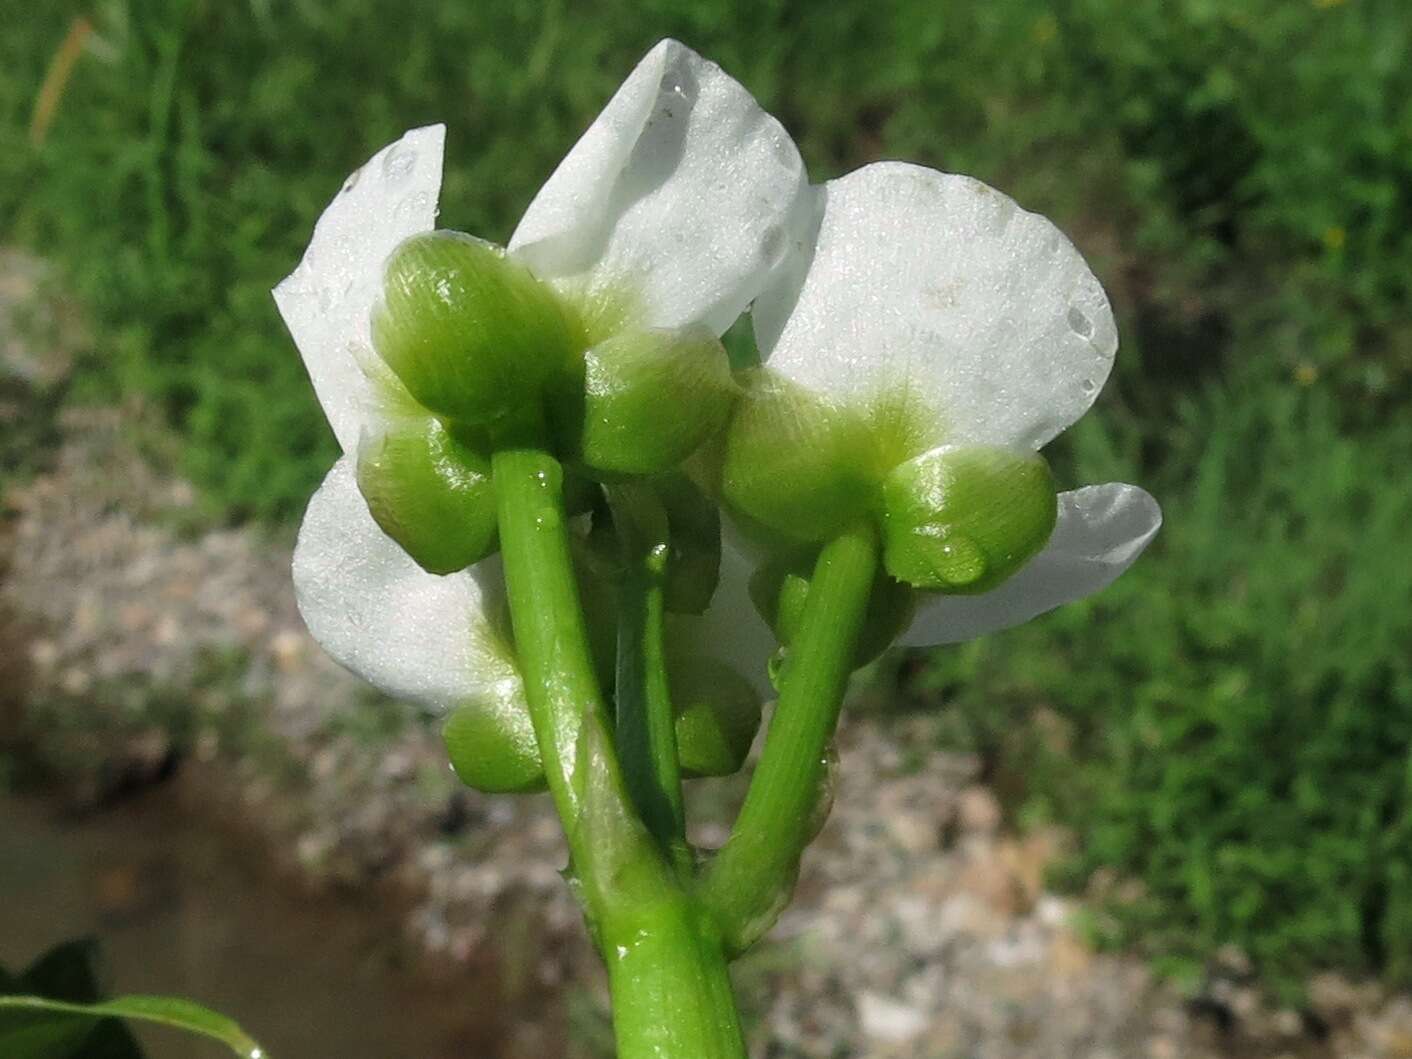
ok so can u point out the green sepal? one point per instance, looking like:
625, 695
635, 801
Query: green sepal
429, 492
963, 519
780, 590
650, 398
796, 463
471, 332
492, 747
717, 716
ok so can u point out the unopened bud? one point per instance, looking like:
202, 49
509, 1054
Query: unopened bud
963, 519
492, 747
471, 333
718, 714
429, 492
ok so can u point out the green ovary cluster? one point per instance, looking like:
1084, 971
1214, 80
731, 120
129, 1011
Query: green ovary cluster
960, 519
483, 355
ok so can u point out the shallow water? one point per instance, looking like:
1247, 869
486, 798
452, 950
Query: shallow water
180, 908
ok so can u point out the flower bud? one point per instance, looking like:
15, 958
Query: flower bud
471, 333
963, 519
651, 398
781, 590
718, 714
492, 746
429, 492
794, 462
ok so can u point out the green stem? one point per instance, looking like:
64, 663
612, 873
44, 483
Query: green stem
647, 737
667, 968
646, 732
751, 877
551, 641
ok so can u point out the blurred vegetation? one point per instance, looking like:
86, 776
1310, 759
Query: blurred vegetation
1237, 712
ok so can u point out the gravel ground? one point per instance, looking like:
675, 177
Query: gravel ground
922, 927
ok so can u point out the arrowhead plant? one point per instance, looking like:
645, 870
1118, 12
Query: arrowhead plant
565, 521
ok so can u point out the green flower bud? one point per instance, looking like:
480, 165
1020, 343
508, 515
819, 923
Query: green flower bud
780, 591
492, 746
795, 463
429, 492
651, 398
718, 714
962, 520
471, 333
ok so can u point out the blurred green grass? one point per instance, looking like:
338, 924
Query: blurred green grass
1239, 174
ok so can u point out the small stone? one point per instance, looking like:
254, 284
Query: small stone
914, 833
978, 811
1233, 961
44, 653
889, 1020
1332, 997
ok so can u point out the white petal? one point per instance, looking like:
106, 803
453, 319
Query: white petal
413, 634
1102, 529
326, 300
731, 629
937, 284
683, 189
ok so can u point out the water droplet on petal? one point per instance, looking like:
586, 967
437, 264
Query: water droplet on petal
352, 181
399, 163
1079, 322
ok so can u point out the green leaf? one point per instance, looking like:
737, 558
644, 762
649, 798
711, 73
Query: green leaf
65, 973
29, 1040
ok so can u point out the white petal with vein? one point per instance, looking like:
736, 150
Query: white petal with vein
942, 287
1101, 531
683, 189
410, 633
326, 300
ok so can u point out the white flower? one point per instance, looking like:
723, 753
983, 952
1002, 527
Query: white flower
683, 194
989, 323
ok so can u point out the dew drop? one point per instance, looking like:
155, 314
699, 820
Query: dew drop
1088, 386
962, 561
398, 164
772, 245
1079, 322
352, 181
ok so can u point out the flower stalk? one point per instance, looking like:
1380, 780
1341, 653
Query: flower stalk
646, 720
667, 966
750, 880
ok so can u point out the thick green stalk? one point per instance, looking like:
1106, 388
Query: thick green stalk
750, 880
551, 641
667, 969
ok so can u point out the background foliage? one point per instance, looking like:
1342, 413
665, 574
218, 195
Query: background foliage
1235, 725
